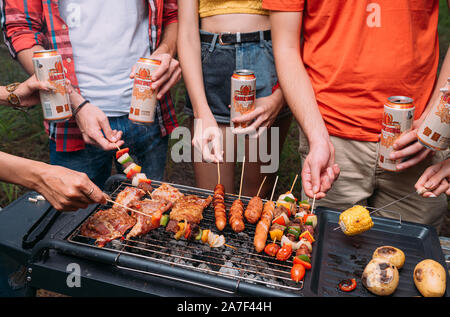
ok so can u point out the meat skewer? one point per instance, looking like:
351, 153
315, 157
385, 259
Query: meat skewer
236, 218
219, 203
128, 208
262, 228
255, 206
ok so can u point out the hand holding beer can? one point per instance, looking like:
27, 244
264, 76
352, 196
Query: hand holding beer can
434, 132
243, 95
398, 118
143, 99
48, 66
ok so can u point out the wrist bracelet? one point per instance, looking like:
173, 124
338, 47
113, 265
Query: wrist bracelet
79, 107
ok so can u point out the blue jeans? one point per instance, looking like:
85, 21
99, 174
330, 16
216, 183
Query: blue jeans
218, 64
147, 148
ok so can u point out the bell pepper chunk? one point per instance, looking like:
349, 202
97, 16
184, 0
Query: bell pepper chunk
281, 219
308, 236
156, 218
121, 152
276, 234
164, 220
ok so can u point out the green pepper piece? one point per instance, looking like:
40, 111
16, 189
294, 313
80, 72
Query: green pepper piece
199, 235
164, 220
304, 257
289, 199
294, 231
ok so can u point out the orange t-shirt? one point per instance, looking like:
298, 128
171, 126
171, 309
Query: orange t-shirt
359, 53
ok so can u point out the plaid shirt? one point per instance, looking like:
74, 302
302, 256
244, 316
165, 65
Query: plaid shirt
26, 23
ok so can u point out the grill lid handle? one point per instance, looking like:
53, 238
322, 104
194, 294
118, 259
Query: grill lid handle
39, 229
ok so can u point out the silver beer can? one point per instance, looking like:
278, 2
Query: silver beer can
48, 66
243, 95
398, 118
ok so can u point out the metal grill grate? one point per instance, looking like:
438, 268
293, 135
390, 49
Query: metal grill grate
237, 261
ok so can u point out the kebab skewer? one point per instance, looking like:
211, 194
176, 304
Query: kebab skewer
236, 218
255, 207
219, 203
262, 228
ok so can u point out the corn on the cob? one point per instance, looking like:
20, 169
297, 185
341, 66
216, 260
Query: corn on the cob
355, 220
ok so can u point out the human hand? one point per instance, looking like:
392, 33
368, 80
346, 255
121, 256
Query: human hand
166, 76
68, 190
435, 180
264, 115
319, 170
408, 148
207, 131
28, 91
92, 122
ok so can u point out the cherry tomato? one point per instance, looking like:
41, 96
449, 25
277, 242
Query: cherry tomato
285, 252
347, 285
272, 249
297, 272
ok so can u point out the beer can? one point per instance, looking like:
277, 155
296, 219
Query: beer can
48, 66
243, 95
434, 132
143, 99
398, 118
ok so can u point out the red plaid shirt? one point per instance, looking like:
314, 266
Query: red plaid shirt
26, 23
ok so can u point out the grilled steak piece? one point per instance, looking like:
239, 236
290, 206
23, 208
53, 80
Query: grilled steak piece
127, 196
172, 226
107, 225
280, 210
144, 223
189, 208
167, 192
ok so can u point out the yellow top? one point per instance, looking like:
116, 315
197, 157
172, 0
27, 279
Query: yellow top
207, 8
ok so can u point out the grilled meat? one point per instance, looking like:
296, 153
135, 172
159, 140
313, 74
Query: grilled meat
107, 225
254, 210
262, 228
167, 192
280, 210
127, 196
189, 208
144, 223
219, 207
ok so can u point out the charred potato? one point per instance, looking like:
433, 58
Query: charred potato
380, 277
392, 254
430, 278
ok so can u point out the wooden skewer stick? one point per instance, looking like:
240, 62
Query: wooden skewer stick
131, 209
293, 184
314, 201
274, 186
242, 176
218, 173
118, 147
260, 186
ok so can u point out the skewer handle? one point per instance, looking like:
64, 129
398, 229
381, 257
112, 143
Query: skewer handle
293, 184
131, 209
260, 186
273, 189
242, 176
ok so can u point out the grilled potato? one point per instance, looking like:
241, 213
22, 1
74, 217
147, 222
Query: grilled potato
392, 254
380, 277
430, 278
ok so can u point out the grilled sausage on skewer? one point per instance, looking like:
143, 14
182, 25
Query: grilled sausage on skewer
262, 228
219, 207
254, 210
236, 216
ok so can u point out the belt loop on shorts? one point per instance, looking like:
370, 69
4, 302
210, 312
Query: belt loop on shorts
213, 42
261, 38
238, 37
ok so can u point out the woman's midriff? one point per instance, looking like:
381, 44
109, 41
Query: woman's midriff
233, 23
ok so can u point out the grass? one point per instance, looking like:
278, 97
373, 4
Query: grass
23, 134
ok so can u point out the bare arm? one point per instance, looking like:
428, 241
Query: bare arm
63, 188
319, 170
189, 52
24, 57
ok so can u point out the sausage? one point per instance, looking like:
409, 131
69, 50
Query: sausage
262, 228
236, 218
219, 207
254, 210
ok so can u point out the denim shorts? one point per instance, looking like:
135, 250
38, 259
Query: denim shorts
147, 147
218, 64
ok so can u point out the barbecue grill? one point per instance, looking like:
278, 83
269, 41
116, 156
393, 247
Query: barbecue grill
157, 264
